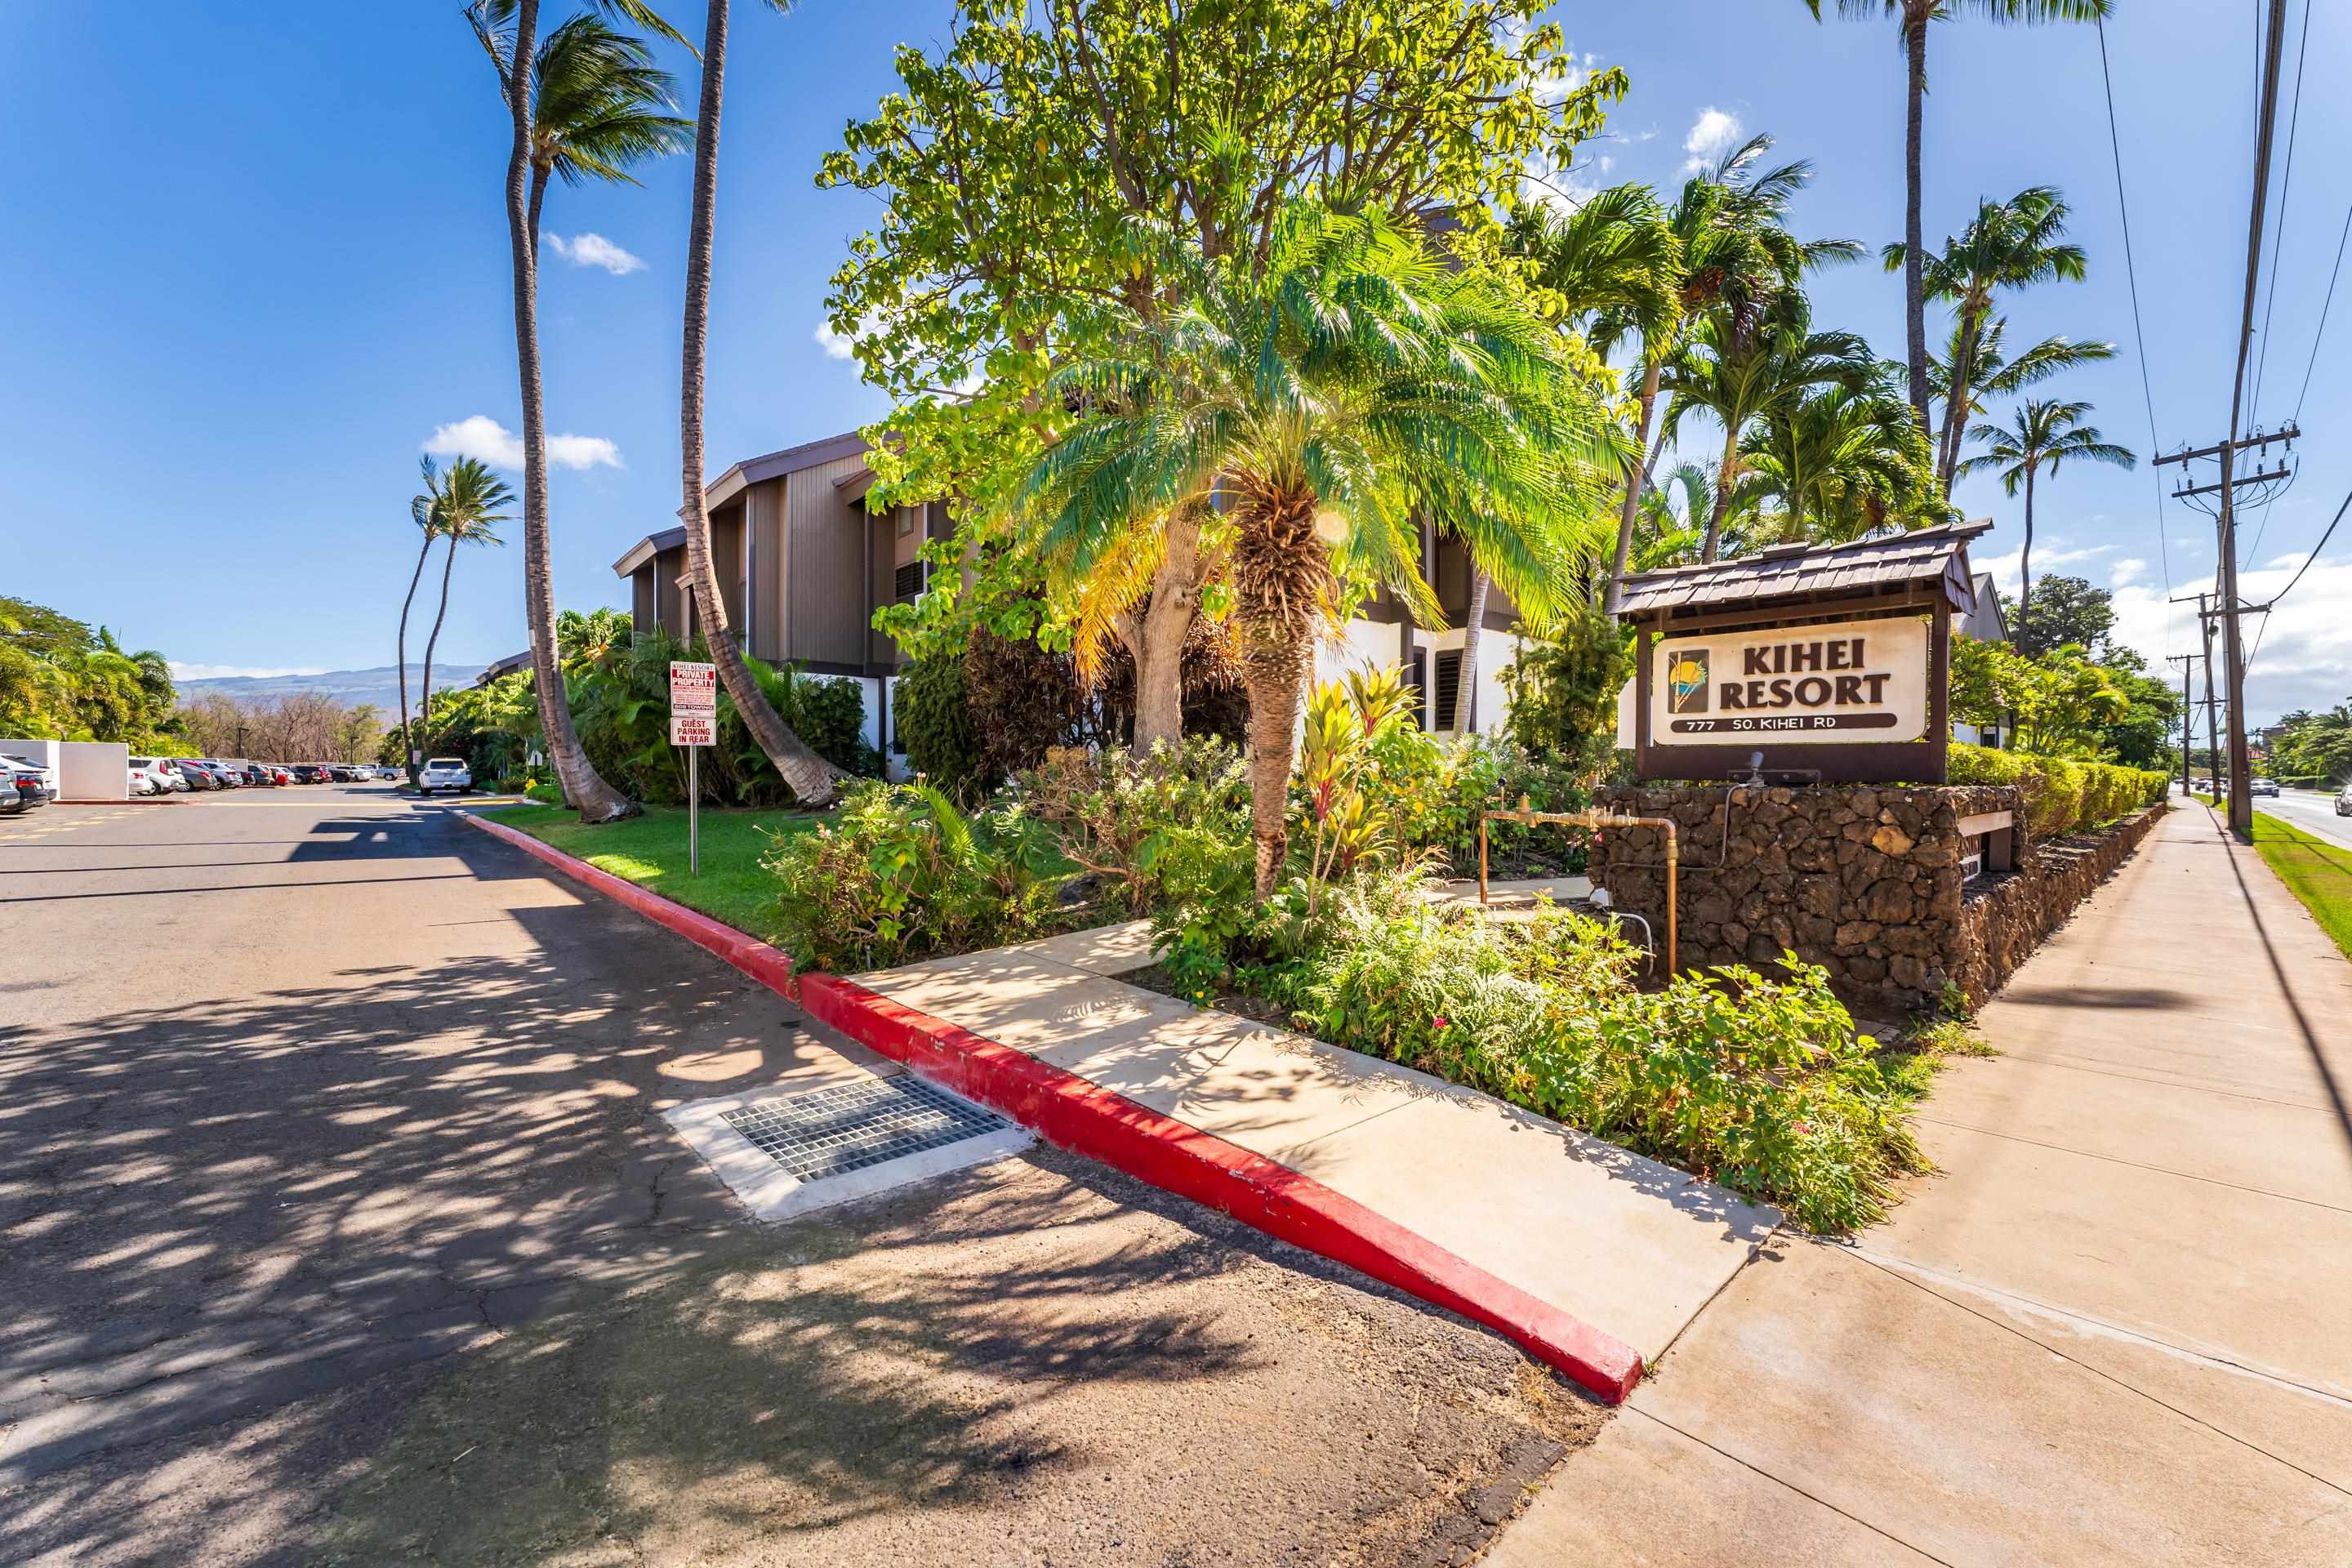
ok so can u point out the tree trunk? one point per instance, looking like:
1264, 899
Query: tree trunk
1726, 476
597, 801
407, 739
1166, 623
1635, 481
2025, 557
538, 195
1914, 288
449, 564
1273, 669
1956, 400
813, 780
1465, 699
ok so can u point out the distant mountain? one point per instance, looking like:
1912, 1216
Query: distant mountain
349, 686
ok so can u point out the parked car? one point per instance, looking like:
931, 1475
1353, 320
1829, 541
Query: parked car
229, 776
43, 777
307, 773
446, 772
200, 774
2263, 786
147, 778
280, 775
24, 784
2344, 801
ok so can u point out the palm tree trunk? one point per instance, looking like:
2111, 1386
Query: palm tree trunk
1273, 669
538, 195
449, 564
408, 741
1159, 639
596, 801
1636, 480
1466, 701
1725, 475
1915, 288
2025, 557
1956, 400
813, 780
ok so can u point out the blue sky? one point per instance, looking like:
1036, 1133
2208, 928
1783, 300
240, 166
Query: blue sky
249, 270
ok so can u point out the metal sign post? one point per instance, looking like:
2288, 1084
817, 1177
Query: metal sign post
694, 724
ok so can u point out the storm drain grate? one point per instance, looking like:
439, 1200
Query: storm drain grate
848, 1127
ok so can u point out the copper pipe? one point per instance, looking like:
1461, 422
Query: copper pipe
1527, 817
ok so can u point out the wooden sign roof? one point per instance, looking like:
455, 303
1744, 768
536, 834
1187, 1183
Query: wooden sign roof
1864, 568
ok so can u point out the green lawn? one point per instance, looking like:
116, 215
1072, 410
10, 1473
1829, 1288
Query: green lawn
2317, 873
650, 850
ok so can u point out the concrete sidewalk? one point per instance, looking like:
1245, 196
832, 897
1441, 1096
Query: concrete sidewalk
1628, 1246
2116, 1330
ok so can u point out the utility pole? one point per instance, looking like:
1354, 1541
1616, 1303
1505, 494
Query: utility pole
2225, 607
2188, 714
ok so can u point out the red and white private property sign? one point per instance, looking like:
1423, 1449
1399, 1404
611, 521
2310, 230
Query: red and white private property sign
693, 703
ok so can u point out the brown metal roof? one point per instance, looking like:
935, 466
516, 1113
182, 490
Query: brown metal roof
1928, 555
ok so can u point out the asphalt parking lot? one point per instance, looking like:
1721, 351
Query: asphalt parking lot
340, 1225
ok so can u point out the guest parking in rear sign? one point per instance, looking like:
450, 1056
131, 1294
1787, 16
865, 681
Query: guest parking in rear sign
1851, 682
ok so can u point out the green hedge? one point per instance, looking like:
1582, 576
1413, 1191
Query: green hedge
2061, 794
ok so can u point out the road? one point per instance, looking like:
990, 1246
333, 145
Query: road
339, 1225
2312, 810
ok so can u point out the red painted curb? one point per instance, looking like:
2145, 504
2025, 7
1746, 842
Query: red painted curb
1073, 1113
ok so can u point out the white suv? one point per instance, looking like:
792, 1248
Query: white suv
445, 773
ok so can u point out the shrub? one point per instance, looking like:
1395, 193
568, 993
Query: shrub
2061, 794
899, 873
1114, 814
1563, 692
935, 722
1760, 1083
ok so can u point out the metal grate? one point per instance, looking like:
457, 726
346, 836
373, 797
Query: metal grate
826, 1131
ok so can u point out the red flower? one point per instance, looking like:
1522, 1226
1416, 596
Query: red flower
1439, 1021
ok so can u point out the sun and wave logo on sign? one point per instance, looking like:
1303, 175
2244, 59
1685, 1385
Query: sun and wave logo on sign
1687, 682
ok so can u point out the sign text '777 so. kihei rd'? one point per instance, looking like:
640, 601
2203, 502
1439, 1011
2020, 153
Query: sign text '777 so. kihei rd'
1851, 681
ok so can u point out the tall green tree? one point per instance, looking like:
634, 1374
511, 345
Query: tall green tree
1912, 19
598, 109
1844, 461
2066, 610
421, 513
507, 31
1329, 400
1992, 374
2007, 245
1740, 375
813, 780
1033, 170
2041, 437
465, 511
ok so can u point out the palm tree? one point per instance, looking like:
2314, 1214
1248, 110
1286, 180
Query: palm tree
420, 511
1740, 377
1614, 264
1995, 375
464, 512
596, 102
509, 32
2008, 245
2040, 435
815, 780
1350, 387
1845, 462
1911, 18
1734, 254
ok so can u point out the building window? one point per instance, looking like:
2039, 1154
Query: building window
908, 580
1449, 686
906, 521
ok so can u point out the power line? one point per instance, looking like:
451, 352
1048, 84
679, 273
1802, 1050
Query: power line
2299, 570
2140, 339
2278, 236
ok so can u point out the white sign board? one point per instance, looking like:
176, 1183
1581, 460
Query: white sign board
1848, 683
693, 689
693, 728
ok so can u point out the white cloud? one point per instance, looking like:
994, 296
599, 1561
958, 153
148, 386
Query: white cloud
480, 436
2126, 571
595, 250
2048, 553
2301, 658
1711, 134
836, 345
183, 671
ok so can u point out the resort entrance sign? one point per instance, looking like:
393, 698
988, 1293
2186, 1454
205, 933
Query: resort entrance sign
1807, 664
1845, 683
